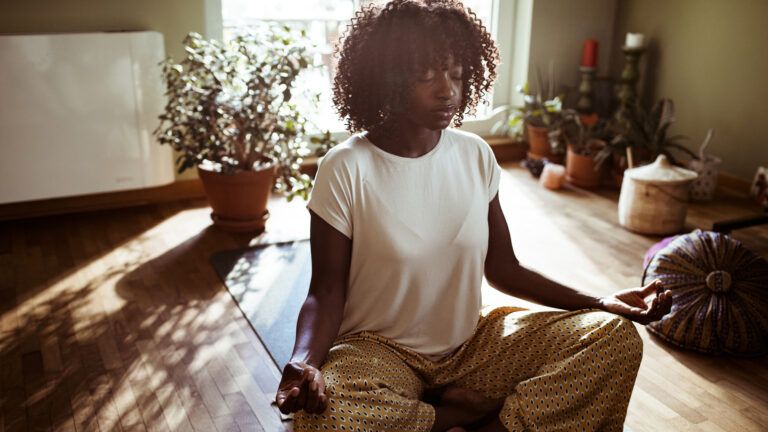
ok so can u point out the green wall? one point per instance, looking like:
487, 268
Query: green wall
173, 18
711, 58
558, 31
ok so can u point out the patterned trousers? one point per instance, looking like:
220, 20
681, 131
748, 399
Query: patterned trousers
557, 371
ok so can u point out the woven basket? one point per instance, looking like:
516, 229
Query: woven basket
720, 295
654, 198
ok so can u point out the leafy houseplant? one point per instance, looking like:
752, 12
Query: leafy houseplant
512, 125
230, 113
643, 135
541, 112
586, 136
647, 132
543, 116
581, 131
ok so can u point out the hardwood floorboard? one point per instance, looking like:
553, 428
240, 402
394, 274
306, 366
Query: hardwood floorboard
115, 320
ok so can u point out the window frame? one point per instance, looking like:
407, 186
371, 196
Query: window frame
511, 29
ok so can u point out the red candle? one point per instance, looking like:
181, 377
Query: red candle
589, 53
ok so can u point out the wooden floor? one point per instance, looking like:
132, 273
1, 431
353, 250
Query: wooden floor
115, 320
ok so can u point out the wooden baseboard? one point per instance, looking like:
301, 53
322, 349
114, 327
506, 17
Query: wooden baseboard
732, 184
505, 149
178, 190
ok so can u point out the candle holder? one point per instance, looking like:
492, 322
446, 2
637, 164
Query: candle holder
628, 88
584, 104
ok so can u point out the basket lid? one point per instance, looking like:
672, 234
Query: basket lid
661, 171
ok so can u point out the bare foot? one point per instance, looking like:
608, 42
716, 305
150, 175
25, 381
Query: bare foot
473, 405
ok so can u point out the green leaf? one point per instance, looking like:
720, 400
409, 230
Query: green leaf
241, 89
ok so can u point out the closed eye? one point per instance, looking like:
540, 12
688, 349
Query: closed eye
430, 75
427, 77
457, 73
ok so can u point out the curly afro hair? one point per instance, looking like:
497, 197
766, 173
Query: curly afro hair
385, 48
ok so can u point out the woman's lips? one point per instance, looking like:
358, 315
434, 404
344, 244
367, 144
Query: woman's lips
445, 111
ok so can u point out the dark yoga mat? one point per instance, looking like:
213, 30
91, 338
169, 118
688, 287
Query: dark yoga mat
269, 284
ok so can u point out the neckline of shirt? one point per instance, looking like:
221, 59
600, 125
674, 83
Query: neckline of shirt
404, 159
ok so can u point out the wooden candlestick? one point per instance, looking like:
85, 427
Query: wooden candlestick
584, 104
629, 78
628, 91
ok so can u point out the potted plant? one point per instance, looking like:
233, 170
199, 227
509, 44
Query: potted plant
641, 137
511, 125
586, 136
230, 114
542, 119
646, 134
542, 112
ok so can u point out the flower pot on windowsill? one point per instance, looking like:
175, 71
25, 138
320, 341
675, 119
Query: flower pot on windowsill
538, 140
581, 170
239, 200
540, 147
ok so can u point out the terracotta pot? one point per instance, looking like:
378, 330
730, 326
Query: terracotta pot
239, 200
539, 142
580, 170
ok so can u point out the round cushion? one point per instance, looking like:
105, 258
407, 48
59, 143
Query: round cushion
719, 294
653, 250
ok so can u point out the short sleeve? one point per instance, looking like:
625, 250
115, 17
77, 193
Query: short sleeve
492, 171
331, 196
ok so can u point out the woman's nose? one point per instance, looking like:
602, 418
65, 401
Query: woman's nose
447, 87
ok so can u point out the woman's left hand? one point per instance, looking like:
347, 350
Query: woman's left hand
630, 303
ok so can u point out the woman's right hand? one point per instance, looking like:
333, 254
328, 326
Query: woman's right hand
302, 387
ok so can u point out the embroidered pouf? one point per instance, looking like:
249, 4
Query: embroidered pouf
719, 294
653, 250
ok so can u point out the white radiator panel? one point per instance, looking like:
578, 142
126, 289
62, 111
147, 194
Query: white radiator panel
77, 112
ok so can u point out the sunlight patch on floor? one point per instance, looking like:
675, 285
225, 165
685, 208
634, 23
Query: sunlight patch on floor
544, 246
94, 283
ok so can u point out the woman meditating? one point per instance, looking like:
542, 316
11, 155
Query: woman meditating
405, 221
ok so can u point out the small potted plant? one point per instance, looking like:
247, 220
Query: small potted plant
511, 125
641, 137
542, 112
230, 114
646, 135
542, 123
586, 136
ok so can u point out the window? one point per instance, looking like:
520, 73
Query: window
324, 21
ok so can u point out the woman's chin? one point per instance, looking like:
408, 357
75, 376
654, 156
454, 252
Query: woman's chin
441, 124
434, 122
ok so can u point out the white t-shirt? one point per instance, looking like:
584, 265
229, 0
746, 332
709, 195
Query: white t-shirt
419, 230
